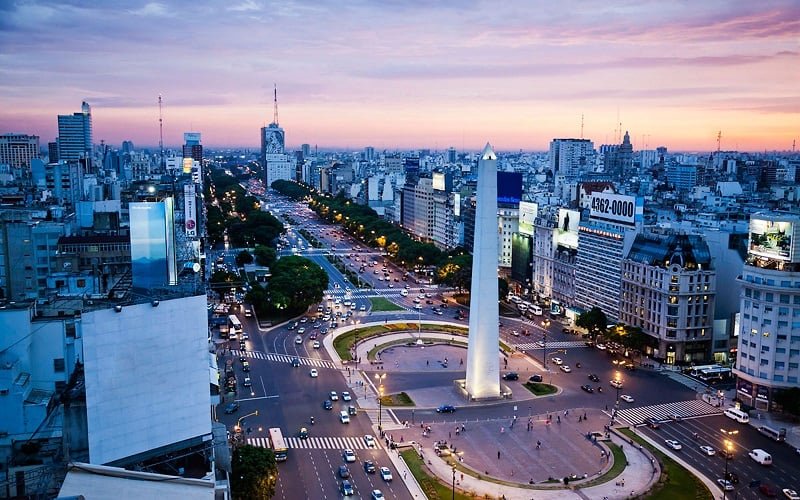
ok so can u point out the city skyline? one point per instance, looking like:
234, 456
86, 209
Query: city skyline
402, 75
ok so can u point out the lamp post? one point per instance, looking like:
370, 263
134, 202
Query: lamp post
454, 480
618, 386
379, 378
545, 326
728, 451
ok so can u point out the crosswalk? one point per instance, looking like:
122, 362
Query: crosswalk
387, 418
285, 358
318, 443
686, 409
364, 293
565, 344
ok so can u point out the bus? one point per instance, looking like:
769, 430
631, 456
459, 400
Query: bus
235, 324
718, 373
695, 371
278, 444
771, 433
536, 310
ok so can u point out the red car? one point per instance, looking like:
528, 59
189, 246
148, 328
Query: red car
768, 490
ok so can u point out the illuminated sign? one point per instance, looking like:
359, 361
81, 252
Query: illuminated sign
189, 210
567, 230
509, 187
438, 181
527, 216
618, 208
774, 239
187, 165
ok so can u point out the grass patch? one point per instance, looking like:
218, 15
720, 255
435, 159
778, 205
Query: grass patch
540, 389
675, 481
345, 341
383, 304
616, 469
433, 488
400, 399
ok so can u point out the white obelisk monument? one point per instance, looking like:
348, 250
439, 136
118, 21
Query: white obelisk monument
483, 357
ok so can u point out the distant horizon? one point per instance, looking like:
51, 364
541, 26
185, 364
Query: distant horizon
517, 73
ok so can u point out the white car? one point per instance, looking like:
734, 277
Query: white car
791, 494
346, 396
602, 347
556, 361
314, 373
616, 383
377, 495
626, 398
370, 441
348, 455
316, 344
725, 484
540, 343
565, 368
515, 333
386, 474
362, 308
334, 396
708, 450
673, 444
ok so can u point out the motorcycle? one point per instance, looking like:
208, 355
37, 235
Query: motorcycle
577, 365
312, 420
599, 389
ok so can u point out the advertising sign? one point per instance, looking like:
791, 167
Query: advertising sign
527, 216
620, 208
190, 210
567, 230
509, 187
772, 239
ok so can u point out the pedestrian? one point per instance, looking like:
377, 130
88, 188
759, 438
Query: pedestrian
559, 418
538, 444
450, 435
502, 429
584, 415
463, 428
404, 474
498, 454
427, 363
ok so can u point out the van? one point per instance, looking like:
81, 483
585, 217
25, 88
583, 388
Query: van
404, 293
344, 417
736, 414
761, 456
777, 435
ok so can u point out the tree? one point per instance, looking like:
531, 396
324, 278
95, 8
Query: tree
243, 258
254, 473
265, 256
594, 320
296, 283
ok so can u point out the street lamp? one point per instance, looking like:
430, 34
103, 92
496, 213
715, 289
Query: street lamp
379, 378
545, 326
728, 451
454, 480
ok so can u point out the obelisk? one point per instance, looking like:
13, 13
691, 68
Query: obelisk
483, 358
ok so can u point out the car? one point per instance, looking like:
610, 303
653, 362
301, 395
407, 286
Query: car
347, 488
652, 423
675, 445
303, 319
295, 362
708, 450
768, 490
246, 366
726, 454
377, 495
515, 333
370, 441
540, 343
344, 472
314, 373
245, 336
446, 409
535, 378
231, 407
732, 477
301, 330
626, 398
303, 434
298, 340
511, 376
334, 396
316, 344
386, 474
369, 467
556, 361
327, 404
725, 484
594, 378
242, 358
348, 455
362, 308
588, 388
616, 383
602, 347
565, 368
790, 494
247, 382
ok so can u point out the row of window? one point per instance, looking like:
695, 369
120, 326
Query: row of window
771, 282
783, 298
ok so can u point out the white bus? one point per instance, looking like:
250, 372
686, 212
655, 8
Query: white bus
718, 373
772, 433
235, 324
737, 415
278, 444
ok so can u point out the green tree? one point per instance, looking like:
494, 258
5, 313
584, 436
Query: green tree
254, 473
265, 256
243, 258
296, 283
594, 320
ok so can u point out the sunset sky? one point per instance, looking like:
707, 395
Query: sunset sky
406, 74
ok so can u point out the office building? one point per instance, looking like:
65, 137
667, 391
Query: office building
417, 208
571, 157
682, 177
75, 135
17, 150
192, 147
769, 334
669, 291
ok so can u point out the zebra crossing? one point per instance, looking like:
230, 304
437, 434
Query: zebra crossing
317, 443
364, 294
565, 344
686, 409
285, 358
387, 418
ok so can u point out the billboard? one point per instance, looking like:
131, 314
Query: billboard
619, 208
567, 230
509, 187
773, 239
190, 210
521, 258
152, 244
527, 217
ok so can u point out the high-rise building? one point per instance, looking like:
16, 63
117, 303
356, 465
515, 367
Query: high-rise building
570, 157
17, 150
192, 147
75, 134
669, 291
769, 332
277, 165
369, 153
417, 207
451, 156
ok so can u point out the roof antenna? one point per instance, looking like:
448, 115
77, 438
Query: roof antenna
275, 104
161, 132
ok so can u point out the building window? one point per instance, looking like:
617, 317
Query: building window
58, 365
